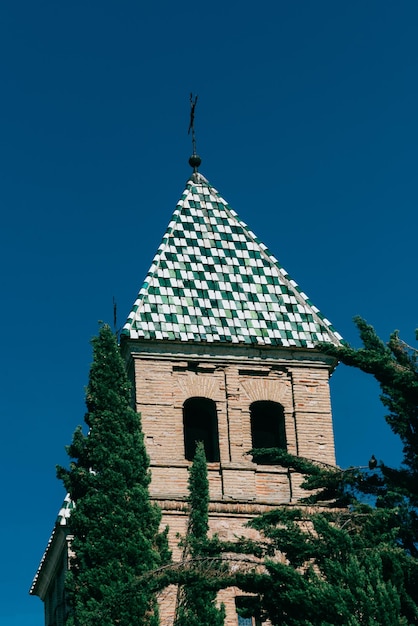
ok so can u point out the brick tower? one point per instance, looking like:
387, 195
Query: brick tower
220, 347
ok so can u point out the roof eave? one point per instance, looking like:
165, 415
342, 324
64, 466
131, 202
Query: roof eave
50, 562
220, 351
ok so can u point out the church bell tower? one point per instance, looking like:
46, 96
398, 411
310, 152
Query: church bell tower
220, 346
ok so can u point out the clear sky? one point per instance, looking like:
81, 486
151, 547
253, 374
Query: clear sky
307, 125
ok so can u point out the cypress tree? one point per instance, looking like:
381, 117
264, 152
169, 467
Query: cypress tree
196, 601
115, 527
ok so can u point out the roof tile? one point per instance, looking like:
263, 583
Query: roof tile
212, 280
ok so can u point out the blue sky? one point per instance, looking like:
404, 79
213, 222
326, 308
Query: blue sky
306, 123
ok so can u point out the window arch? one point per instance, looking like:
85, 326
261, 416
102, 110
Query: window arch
267, 426
200, 421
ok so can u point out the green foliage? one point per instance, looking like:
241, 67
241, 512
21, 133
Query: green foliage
328, 566
198, 525
115, 527
197, 601
334, 559
395, 366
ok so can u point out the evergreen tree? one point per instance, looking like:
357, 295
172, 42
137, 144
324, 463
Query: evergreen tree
395, 366
196, 602
115, 527
326, 566
343, 561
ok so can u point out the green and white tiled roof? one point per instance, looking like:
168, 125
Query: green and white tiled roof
62, 520
65, 511
212, 280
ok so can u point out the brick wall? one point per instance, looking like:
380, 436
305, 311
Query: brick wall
239, 489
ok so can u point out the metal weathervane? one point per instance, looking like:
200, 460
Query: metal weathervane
195, 159
191, 124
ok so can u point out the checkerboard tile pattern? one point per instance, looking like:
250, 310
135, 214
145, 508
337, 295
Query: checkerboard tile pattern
212, 280
62, 520
65, 511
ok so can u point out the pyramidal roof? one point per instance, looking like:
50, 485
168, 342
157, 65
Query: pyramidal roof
212, 280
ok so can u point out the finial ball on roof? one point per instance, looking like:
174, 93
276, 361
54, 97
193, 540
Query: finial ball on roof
195, 161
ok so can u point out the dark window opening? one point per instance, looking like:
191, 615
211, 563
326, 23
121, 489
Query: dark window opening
248, 610
267, 427
200, 422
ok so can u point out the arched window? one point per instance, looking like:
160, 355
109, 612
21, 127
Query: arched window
267, 426
200, 423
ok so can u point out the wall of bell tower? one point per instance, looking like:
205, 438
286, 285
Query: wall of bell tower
234, 379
